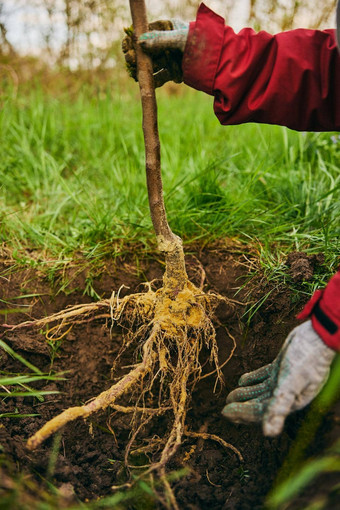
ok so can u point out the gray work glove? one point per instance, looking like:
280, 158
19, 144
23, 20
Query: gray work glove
165, 42
289, 383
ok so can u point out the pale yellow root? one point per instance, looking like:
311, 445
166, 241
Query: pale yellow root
102, 401
213, 437
65, 316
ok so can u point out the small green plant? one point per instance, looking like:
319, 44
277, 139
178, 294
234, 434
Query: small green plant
308, 473
243, 474
14, 385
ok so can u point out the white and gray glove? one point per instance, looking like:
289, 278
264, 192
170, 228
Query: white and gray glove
160, 40
289, 383
165, 42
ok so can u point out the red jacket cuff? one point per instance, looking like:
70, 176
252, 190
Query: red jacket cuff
324, 311
203, 49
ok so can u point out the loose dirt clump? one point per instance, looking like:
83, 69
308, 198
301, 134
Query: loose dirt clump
91, 454
302, 266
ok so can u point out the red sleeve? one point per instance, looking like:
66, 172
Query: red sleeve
324, 311
290, 79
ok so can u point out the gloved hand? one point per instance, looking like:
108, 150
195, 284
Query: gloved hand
165, 42
289, 383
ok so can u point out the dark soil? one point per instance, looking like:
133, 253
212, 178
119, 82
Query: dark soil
90, 458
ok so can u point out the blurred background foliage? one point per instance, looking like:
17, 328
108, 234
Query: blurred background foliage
85, 34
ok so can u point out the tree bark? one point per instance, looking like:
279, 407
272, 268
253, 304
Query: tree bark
168, 242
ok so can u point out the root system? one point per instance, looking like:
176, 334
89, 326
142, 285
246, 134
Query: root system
167, 328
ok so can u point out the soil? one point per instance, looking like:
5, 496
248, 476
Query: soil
87, 459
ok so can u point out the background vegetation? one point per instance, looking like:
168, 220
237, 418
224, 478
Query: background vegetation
86, 33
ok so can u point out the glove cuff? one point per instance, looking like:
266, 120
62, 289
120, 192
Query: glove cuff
324, 311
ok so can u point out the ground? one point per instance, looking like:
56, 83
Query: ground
90, 458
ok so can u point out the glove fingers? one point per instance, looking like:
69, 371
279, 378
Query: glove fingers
257, 376
166, 64
249, 393
245, 412
157, 41
179, 24
280, 406
175, 67
161, 77
127, 44
130, 57
161, 73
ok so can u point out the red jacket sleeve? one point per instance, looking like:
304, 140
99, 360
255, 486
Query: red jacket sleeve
324, 311
290, 78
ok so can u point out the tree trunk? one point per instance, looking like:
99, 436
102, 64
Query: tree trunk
175, 276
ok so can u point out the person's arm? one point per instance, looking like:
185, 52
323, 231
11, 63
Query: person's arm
291, 79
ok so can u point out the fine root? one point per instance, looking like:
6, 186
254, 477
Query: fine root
213, 437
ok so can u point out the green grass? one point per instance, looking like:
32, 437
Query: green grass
72, 177
14, 385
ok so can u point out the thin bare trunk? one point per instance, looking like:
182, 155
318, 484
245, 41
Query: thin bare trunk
168, 242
